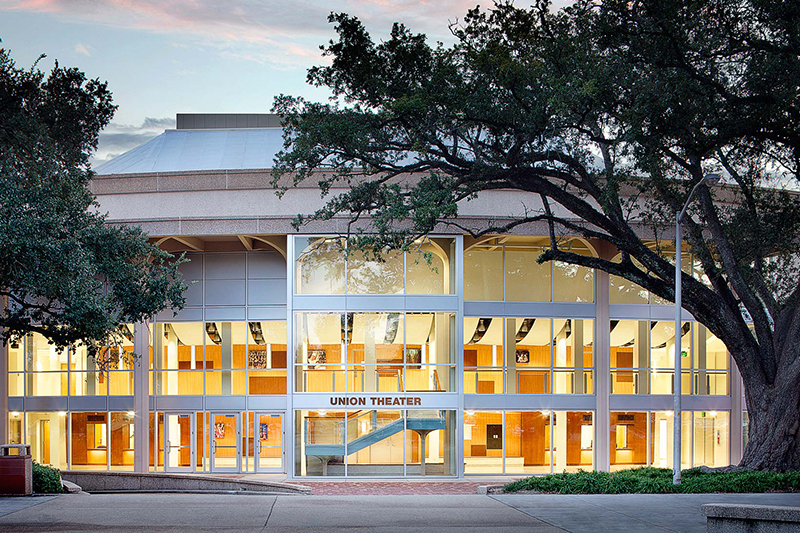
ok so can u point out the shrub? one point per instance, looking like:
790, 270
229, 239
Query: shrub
659, 481
46, 479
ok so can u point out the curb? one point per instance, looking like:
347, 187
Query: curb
490, 489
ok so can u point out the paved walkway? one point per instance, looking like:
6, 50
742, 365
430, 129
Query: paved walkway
322, 488
383, 514
271, 514
12, 505
647, 513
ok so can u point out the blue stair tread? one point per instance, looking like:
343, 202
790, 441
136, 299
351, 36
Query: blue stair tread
374, 437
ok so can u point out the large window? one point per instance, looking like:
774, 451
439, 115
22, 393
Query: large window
528, 356
47, 435
375, 443
194, 358
37, 368
642, 358
644, 438
323, 267
374, 352
527, 442
623, 291
506, 268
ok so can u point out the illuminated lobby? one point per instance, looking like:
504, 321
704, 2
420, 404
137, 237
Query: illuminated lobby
461, 357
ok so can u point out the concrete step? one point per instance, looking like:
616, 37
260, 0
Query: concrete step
158, 482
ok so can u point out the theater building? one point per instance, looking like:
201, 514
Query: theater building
290, 359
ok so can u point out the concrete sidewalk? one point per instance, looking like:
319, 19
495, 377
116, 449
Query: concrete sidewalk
262, 513
384, 514
650, 513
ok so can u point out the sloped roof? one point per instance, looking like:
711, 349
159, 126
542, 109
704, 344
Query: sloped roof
188, 150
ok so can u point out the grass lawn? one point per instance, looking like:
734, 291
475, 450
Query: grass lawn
659, 481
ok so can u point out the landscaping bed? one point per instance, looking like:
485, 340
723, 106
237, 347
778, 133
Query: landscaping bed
46, 479
659, 481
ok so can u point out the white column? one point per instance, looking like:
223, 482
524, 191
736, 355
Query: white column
602, 377
141, 399
455, 264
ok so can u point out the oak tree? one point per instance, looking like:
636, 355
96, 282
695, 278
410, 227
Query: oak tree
603, 116
64, 271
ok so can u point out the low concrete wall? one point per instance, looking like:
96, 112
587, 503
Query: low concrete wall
735, 518
158, 482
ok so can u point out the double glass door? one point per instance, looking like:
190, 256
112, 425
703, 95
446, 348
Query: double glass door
232, 437
266, 441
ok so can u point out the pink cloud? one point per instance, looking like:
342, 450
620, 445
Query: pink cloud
251, 29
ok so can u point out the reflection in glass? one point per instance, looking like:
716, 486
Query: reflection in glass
366, 275
320, 265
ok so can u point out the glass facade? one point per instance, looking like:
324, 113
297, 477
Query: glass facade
37, 368
218, 358
374, 352
506, 268
643, 358
644, 438
528, 356
375, 443
451, 359
528, 442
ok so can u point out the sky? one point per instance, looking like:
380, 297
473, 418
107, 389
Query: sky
162, 57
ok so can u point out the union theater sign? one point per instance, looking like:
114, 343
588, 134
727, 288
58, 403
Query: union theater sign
375, 401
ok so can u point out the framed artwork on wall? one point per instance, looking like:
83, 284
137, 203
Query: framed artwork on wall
523, 356
316, 358
413, 356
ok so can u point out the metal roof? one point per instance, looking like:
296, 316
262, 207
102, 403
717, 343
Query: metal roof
188, 150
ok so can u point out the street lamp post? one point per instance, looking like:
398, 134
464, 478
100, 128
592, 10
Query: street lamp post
676, 393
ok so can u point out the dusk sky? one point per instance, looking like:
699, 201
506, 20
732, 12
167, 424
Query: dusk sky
165, 57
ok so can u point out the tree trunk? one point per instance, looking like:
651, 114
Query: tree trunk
774, 430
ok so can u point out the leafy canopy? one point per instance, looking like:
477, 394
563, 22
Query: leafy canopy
603, 115
65, 272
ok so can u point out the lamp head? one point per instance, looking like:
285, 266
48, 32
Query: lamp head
711, 179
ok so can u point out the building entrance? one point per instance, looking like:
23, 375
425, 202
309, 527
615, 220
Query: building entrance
225, 442
266, 436
179, 441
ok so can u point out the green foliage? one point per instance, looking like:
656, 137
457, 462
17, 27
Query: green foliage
604, 116
46, 479
659, 481
64, 271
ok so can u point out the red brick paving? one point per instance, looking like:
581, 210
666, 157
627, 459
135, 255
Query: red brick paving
322, 488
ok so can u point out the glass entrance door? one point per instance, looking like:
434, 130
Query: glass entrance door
179, 438
225, 442
267, 435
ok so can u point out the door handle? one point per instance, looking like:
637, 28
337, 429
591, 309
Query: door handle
169, 445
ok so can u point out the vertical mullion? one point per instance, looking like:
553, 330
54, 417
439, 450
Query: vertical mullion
552, 438
404, 413
649, 438
503, 436
108, 437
